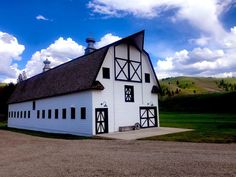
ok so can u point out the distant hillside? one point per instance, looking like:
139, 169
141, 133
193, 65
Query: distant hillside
2, 84
178, 86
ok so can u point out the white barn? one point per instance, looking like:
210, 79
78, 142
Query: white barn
105, 89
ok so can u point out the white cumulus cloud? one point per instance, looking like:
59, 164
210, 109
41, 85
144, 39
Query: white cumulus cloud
10, 52
199, 62
107, 39
62, 50
190, 10
213, 52
41, 17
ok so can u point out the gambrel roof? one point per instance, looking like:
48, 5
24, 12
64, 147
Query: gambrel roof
74, 76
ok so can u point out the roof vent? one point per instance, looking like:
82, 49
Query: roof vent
46, 65
90, 48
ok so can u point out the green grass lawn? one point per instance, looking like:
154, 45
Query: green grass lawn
210, 128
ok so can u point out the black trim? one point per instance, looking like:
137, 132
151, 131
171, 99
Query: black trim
56, 113
105, 73
147, 77
49, 114
72, 112
38, 114
129, 93
101, 120
147, 118
64, 113
43, 114
83, 112
150, 62
155, 89
28, 114
128, 63
97, 85
34, 105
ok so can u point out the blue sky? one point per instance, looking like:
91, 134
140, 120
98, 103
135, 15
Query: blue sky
183, 37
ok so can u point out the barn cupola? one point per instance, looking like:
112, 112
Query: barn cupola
46, 65
90, 47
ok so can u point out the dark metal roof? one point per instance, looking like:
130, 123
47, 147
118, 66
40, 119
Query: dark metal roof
76, 75
73, 76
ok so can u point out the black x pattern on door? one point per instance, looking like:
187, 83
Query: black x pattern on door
101, 115
148, 117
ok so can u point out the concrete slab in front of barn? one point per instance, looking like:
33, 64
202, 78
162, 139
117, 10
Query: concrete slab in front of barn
142, 133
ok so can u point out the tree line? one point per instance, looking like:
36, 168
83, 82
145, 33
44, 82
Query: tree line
5, 93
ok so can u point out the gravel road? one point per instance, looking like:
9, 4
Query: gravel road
29, 156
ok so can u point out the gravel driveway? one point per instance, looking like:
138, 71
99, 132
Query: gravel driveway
29, 156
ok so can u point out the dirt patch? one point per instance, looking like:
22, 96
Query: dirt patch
29, 156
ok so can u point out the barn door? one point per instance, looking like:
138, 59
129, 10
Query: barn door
101, 115
148, 117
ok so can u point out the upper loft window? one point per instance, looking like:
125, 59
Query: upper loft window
129, 93
147, 77
127, 64
106, 73
33, 105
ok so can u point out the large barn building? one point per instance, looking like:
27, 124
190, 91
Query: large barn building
105, 89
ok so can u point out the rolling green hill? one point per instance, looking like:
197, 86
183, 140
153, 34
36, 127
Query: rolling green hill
196, 85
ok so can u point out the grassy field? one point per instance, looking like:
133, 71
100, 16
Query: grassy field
210, 128
195, 85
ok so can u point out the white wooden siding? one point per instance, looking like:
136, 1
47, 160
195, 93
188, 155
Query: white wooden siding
76, 126
121, 113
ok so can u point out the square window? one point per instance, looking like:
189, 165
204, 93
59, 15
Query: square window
147, 78
38, 114
106, 73
72, 112
64, 113
56, 113
43, 114
28, 114
129, 93
83, 113
49, 113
